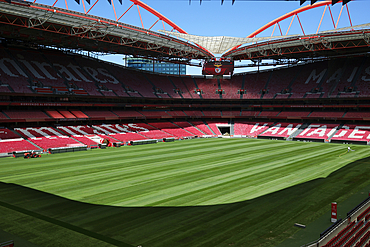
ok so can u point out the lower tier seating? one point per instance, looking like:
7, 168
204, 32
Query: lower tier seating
54, 142
318, 131
14, 145
282, 130
350, 132
7, 134
250, 128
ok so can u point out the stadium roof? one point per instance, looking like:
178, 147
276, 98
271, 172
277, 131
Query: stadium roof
220, 44
328, 44
40, 24
47, 25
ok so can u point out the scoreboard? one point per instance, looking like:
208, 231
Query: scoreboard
218, 66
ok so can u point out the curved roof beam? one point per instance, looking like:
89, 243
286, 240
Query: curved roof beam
288, 15
159, 15
284, 17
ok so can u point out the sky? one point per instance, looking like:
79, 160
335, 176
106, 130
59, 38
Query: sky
213, 19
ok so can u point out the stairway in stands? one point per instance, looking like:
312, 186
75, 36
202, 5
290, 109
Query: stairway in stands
298, 131
335, 132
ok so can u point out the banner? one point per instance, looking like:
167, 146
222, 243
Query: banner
333, 212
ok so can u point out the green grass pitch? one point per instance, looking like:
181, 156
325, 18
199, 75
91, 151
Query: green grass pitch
202, 192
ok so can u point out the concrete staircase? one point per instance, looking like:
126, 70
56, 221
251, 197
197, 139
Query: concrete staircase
298, 131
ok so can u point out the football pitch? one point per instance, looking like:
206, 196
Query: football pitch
201, 192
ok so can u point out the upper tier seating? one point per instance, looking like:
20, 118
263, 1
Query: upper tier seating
254, 84
353, 132
190, 85
282, 129
209, 88
52, 71
181, 87
72, 72
308, 79
12, 74
135, 81
318, 131
343, 77
362, 83
107, 83
163, 85
279, 84
231, 87
250, 128
39, 68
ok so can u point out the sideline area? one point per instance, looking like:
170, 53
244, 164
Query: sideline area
312, 231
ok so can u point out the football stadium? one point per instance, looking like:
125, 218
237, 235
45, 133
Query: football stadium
105, 140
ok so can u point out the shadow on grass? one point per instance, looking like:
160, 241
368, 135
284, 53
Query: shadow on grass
263, 221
